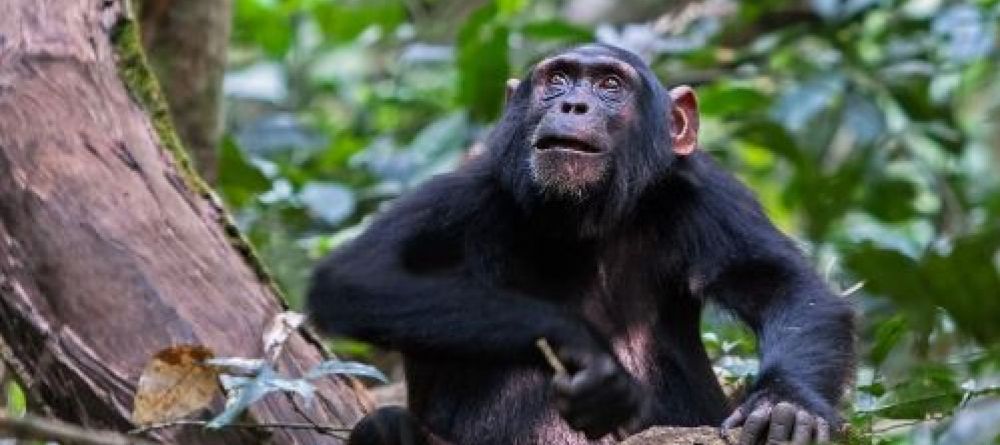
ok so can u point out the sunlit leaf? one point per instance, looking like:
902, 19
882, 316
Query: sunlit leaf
17, 402
346, 19
263, 23
511, 7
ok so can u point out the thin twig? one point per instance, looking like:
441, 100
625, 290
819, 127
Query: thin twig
274, 425
37, 428
560, 370
320, 428
550, 356
857, 286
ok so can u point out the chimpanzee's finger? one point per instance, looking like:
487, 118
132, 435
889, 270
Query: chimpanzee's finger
734, 419
804, 424
822, 431
756, 424
782, 422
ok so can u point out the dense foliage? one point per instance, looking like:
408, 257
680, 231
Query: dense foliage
869, 129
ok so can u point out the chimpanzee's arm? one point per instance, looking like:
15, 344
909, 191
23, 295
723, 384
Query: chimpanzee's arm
805, 332
407, 283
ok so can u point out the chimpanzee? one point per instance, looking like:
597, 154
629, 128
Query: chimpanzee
591, 221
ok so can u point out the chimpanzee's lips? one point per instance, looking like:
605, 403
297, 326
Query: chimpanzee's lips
564, 143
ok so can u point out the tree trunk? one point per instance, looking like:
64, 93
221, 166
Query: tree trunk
186, 42
111, 248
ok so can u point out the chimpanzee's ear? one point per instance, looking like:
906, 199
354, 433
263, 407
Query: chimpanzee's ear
684, 120
511, 88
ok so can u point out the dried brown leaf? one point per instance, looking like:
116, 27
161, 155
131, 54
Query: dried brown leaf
175, 383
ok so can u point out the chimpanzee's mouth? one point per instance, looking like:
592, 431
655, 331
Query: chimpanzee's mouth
562, 143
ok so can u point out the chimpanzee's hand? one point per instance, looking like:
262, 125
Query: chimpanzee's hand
767, 421
598, 395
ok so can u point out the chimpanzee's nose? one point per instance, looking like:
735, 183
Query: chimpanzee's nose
574, 107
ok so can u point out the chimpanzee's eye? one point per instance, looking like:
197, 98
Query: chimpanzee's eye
610, 84
558, 79
556, 84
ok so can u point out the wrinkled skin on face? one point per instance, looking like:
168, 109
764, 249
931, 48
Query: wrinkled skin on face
587, 103
590, 131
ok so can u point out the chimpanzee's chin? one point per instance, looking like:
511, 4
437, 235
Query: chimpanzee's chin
568, 174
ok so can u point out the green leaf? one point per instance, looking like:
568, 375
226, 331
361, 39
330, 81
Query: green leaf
963, 280
930, 390
239, 181
351, 348
263, 23
731, 101
891, 199
346, 19
774, 137
888, 272
509, 8
558, 30
966, 283
483, 64
17, 401
887, 335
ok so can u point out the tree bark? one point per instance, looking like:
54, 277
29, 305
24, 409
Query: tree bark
186, 42
111, 248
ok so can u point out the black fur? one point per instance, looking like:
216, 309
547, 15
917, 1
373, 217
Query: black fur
465, 273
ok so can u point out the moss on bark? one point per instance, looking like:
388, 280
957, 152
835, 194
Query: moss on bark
143, 86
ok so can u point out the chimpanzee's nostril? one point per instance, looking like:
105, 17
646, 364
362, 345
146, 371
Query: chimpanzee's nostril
574, 108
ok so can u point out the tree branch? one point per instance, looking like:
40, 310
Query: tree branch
280, 425
37, 428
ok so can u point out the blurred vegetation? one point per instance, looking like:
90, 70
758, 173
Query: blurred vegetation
869, 128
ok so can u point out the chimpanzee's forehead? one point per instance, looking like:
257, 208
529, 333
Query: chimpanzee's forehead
597, 50
596, 55
600, 54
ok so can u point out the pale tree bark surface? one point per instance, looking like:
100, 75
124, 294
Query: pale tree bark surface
186, 43
110, 249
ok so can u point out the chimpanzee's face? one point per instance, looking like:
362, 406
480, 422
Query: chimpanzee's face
584, 101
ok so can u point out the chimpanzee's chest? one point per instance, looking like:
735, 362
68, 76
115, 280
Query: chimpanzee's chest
619, 279
623, 297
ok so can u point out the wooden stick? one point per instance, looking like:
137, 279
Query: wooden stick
560, 370
550, 356
275, 425
37, 428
